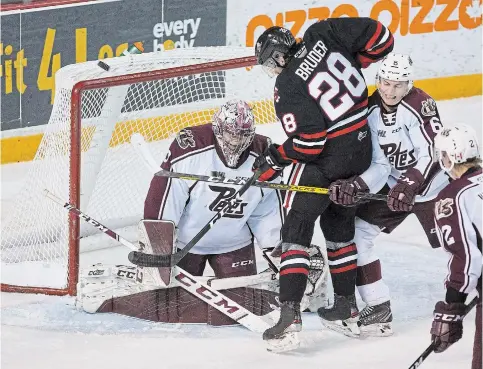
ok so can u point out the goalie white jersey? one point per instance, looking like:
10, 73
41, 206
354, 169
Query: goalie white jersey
191, 204
406, 137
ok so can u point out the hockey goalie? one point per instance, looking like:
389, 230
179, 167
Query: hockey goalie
176, 209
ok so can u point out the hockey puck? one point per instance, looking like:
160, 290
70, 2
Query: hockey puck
103, 65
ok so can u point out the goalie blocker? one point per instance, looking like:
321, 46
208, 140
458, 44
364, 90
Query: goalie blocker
169, 295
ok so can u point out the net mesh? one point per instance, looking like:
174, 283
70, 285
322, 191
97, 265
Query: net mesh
113, 179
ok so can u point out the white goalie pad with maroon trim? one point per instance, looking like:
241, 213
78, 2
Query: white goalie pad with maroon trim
143, 292
315, 295
123, 290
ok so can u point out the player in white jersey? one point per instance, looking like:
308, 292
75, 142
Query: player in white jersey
405, 120
229, 145
459, 222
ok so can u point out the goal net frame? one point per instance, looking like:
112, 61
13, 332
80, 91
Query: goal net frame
74, 223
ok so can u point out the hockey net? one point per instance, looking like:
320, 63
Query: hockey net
86, 158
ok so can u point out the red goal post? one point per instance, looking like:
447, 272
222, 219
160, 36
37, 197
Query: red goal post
85, 155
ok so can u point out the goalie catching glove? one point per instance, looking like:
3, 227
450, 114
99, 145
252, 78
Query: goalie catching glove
270, 163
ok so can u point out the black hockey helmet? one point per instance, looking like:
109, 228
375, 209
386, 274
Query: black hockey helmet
275, 47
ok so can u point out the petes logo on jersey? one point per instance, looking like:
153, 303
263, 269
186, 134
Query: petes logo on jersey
185, 139
225, 194
444, 208
428, 107
399, 159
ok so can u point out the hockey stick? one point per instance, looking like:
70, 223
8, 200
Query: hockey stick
142, 150
187, 281
275, 186
430, 348
89, 220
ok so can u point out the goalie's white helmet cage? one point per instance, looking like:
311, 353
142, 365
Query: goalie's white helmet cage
85, 156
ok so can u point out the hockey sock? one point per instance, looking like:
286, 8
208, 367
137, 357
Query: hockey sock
369, 273
294, 269
371, 286
343, 267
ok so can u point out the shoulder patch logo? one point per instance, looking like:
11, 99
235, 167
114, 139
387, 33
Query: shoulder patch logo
443, 208
428, 107
185, 139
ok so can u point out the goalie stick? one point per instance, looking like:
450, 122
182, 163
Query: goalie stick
187, 281
137, 141
430, 348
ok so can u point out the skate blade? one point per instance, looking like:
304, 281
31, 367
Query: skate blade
377, 330
289, 341
347, 327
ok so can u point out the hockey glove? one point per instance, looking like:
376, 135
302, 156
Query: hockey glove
401, 197
271, 163
344, 191
447, 325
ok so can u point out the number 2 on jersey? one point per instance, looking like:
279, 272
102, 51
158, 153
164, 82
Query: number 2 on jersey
341, 73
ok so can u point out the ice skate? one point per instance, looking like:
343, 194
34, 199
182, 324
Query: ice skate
283, 336
376, 320
342, 317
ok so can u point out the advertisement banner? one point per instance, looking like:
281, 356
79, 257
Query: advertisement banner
444, 38
35, 44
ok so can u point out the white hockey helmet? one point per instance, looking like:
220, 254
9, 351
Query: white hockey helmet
396, 67
459, 143
234, 129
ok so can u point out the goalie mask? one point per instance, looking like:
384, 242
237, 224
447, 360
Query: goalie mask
234, 129
394, 78
455, 145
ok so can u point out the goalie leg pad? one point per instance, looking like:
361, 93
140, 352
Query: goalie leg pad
315, 292
100, 283
175, 305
